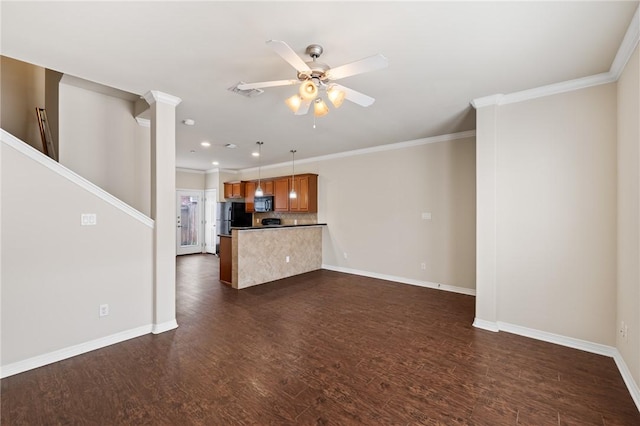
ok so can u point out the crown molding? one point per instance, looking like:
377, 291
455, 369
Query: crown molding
144, 122
380, 148
487, 101
153, 96
183, 170
628, 45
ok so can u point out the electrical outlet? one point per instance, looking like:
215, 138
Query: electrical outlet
287, 259
423, 266
258, 221
345, 255
104, 310
426, 216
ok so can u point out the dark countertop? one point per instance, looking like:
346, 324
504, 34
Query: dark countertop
257, 228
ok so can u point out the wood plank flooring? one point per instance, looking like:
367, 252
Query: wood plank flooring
323, 348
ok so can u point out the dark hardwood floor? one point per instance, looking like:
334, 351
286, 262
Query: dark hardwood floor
321, 348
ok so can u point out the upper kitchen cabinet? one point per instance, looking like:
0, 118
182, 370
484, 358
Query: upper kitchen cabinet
281, 195
306, 187
267, 187
234, 189
249, 194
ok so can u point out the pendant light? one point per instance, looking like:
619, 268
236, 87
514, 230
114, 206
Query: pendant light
293, 194
259, 192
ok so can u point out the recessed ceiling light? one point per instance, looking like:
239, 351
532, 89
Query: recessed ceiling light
188, 122
205, 143
231, 145
255, 154
215, 163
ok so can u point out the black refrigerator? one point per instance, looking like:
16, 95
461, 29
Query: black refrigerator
230, 214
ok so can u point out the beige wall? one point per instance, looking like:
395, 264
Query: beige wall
556, 214
190, 180
373, 204
23, 89
55, 305
628, 268
101, 141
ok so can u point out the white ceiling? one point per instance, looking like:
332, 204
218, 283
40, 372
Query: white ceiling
441, 55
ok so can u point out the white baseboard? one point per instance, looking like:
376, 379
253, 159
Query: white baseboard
165, 326
627, 377
570, 342
59, 355
437, 286
486, 325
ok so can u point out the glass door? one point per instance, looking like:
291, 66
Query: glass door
189, 222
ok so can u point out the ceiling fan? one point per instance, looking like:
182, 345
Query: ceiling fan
314, 76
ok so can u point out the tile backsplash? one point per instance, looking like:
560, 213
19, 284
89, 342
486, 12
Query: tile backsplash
287, 218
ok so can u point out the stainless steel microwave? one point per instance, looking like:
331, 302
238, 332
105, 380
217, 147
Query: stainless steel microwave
263, 204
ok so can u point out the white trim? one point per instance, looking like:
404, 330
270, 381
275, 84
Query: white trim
61, 354
144, 122
628, 45
26, 149
379, 148
402, 280
485, 325
570, 342
487, 101
183, 170
165, 326
165, 98
557, 88
634, 390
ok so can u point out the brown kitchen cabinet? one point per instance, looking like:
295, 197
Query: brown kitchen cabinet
234, 189
225, 255
281, 195
249, 194
306, 187
267, 187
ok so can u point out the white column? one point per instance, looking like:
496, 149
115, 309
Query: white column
486, 239
163, 208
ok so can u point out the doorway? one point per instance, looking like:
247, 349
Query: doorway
190, 211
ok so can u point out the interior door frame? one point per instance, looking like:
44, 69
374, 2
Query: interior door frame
210, 219
198, 248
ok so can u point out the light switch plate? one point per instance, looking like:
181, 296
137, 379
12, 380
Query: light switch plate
426, 216
88, 219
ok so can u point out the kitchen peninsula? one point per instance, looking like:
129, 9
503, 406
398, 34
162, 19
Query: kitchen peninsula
256, 255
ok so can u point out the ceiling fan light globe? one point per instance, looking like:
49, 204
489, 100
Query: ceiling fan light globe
320, 109
336, 96
308, 90
294, 103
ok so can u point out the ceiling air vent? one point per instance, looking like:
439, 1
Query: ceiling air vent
248, 93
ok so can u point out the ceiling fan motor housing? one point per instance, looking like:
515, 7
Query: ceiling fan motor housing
318, 69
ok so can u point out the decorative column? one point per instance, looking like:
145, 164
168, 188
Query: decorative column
163, 208
486, 239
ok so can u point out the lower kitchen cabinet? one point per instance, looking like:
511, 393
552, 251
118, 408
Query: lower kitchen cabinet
225, 259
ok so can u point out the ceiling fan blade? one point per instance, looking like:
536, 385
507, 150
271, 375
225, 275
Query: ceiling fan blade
304, 107
287, 53
371, 63
355, 96
263, 84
